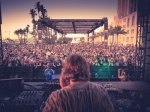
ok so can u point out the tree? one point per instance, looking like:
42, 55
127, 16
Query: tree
34, 31
64, 40
27, 29
34, 35
33, 14
43, 12
42, 9
21, 33
111, 32
101, 34
92, 37
46, 32
53, 38
119, 31
38, 7
16, 32
24, 33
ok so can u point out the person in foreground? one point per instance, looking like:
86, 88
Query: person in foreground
123, 75
78, 94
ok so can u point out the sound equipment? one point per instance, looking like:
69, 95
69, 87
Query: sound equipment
33, 96
28, 101
127, 100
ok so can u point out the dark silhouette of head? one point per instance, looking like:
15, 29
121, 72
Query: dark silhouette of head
75, 67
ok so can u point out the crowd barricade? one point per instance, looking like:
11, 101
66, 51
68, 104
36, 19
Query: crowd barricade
105, 71
25, 72
6, 72
29, 73
17, 72
38, 73
57, 70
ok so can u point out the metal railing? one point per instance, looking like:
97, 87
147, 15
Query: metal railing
30, 73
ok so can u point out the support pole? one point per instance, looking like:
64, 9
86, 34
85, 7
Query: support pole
62, 39
88, 37
93, 37
105, 32
1, 46
40, 35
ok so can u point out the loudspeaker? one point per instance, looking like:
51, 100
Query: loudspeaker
10, 87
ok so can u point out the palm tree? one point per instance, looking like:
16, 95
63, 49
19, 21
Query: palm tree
53, 38
38, 7
33, 14
41, 8
45, 31
16, 32
34, 34
24, 32
119, 31
92, 37
43, 12
20, 32
101, 34
111, 32
27, 29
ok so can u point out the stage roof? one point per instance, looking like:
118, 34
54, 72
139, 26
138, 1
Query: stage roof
70, 26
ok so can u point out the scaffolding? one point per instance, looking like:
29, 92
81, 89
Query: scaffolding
1, 48
73, 26
142, 60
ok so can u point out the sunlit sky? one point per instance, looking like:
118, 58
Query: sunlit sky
15, 13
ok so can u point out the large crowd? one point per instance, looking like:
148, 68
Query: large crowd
97, 55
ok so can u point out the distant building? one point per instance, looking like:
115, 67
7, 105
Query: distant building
127, 18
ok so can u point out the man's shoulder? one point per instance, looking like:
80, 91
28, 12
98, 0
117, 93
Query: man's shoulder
57, 93
95, 84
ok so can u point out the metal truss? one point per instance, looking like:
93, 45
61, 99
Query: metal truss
70, 26
1, 48
142, 68
73, 26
